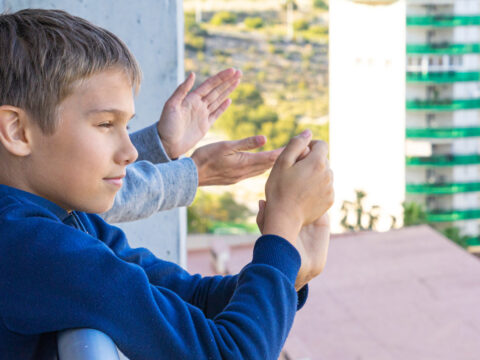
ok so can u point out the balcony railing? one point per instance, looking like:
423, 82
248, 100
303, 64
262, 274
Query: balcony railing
85, 344
454, 215
444, 20
443, 105
442, 133
443, 48
443, 76
443, 160
442, 189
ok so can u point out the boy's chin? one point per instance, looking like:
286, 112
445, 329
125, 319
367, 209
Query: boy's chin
98, 208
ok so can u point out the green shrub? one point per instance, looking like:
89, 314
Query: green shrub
223, 17
413, 214
319, 29
300, 25
195, 43
253, 22
320, 4
209, 209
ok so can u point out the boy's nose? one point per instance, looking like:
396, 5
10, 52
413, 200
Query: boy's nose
128, 153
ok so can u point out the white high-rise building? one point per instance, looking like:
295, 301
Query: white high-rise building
443, 111
367, 105
405, 106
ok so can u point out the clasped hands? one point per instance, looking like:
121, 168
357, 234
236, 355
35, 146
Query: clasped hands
299, 190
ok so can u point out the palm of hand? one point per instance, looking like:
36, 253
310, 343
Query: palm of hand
187, 116
312, 244
191, 114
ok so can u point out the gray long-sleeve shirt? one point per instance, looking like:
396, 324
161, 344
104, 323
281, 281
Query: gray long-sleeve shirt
154, 182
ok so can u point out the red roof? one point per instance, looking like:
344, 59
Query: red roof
403, 294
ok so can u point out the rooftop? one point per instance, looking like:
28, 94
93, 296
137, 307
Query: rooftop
404, 294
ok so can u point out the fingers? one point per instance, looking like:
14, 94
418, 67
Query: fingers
318, 153
214, 116
261, 214
183, 89
211, 83
294, 149
249, 143
220, 93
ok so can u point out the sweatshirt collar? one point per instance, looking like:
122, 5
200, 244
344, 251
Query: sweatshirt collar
6, 190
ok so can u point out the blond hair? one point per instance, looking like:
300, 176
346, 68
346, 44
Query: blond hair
43, 52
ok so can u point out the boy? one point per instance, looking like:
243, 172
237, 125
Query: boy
65, 100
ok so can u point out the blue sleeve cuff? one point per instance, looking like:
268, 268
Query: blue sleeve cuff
275, 251
302, 295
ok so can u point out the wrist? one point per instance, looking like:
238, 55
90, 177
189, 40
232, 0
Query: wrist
199, 163
166, 145
282, 223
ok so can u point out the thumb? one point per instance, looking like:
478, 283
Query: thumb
296, 148
261, 214
249, 143
183, 89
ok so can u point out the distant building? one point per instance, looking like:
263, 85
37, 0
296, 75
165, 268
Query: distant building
443, 111
367, 105
407, 128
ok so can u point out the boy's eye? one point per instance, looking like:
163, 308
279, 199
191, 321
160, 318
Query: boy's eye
106, 125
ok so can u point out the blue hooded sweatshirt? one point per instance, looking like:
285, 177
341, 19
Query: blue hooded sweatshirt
61, 270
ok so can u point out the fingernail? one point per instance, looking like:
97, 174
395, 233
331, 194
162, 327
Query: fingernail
306, 133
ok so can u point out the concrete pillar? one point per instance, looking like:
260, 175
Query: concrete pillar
153, 30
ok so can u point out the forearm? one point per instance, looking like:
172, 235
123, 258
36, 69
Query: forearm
149, 188
149, 145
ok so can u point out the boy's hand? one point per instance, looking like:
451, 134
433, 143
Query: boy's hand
312, 244
187, 116
299, 189
225, 162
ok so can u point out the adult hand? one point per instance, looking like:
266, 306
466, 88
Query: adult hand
299, 189
226, 162
187, 115
312, 245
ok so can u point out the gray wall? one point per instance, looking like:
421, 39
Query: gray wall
153, 30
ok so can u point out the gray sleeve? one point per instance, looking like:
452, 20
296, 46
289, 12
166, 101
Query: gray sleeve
149, 146
154, 182
149, 188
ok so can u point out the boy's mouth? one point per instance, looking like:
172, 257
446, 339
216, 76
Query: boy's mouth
115, 181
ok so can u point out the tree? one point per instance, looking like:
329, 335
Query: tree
413, 214
360, 215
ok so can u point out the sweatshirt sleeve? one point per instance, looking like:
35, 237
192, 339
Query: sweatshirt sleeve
149, 146
149, 188
211, 294
55, 277
154, 182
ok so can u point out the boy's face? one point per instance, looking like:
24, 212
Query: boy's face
81, 166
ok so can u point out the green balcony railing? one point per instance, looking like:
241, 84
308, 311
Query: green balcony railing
473, 241
444, 20
443, 105
443, 160
442, 189
442, 133
442, 77
444, 48
454, 215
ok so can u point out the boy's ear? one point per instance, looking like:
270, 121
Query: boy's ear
13, 130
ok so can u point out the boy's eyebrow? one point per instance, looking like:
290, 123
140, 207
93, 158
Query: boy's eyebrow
114, 111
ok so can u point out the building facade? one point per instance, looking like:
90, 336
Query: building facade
405, 107
443, 111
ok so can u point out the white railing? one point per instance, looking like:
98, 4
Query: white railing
85, 344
